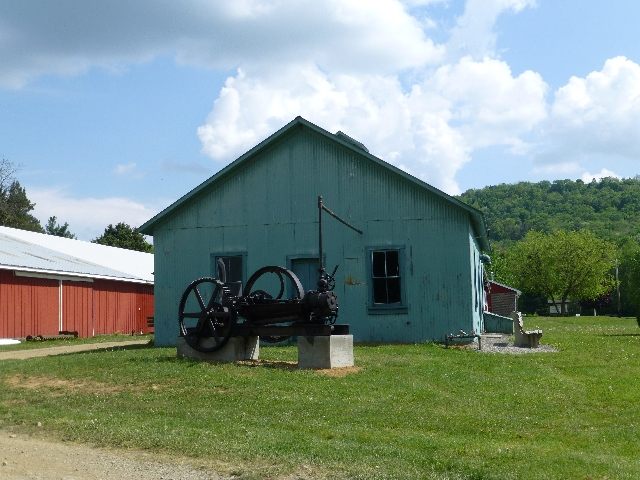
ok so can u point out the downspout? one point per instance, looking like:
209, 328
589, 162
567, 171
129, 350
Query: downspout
60, 329
485, 260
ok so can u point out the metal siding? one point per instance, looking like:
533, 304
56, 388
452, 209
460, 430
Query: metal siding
101, 311
77, 308
477, 287
121, 307
268, 209
144, 307
28, 306
503, 304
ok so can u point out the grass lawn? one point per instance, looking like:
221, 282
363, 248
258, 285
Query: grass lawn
410, 411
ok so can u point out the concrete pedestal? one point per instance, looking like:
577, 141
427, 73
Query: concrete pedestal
238, 348
331, 351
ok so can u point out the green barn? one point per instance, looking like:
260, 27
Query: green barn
414, 274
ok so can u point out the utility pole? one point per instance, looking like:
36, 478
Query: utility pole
619, 306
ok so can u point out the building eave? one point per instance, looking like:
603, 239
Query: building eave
518, 292
69, 276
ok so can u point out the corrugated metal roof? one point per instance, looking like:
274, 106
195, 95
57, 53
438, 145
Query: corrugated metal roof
506, 286
37, 252
476, 216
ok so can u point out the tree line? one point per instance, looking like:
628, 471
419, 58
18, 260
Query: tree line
16, 208
566, 241
609, 208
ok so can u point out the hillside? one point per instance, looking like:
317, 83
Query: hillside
609, 208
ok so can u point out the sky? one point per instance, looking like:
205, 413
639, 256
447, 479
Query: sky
112, 110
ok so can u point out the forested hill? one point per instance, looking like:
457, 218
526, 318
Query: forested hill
609, 208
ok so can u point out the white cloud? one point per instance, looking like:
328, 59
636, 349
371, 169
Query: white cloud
474, 33
600, 113
87, 217
554, 170
595, 120
366, 68
429, 129
124, 168
345, 35
421, 3
491, 105
428, 119
604, 173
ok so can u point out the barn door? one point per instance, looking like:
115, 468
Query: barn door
77, 308
306, 269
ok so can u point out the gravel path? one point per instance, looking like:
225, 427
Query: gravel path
45, 352
28, 458
502, 343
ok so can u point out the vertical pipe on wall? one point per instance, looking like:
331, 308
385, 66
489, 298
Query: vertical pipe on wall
93, 309
320, 266
60, 329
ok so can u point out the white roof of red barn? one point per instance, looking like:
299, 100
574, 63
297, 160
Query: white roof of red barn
506, 286
41, 253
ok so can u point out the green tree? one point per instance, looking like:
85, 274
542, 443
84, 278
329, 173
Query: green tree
124, 236
610, 208
14, 204
7, 171
54, 228
563, 265
499, 268
630, 277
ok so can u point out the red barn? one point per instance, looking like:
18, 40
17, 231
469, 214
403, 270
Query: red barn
502, 299
51, 284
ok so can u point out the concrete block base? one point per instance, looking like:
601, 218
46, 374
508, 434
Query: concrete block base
238, 348
332, 351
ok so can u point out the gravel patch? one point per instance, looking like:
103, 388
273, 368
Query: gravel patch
499, 343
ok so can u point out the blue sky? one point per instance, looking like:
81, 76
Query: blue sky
113, 110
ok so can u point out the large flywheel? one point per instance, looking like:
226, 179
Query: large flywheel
205, 323
286, 280
283, 275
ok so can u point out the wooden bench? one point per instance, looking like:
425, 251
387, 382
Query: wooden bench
523, 338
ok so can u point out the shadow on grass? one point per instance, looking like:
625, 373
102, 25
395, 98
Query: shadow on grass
194, 362
109, 349
275, 364
619, 335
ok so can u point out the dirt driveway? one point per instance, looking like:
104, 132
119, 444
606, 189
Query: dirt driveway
23, 457
45, 352
27, 458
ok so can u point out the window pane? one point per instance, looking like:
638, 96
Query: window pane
379, 290
378, 263
386, 281
393, 265
393, 290
233, 267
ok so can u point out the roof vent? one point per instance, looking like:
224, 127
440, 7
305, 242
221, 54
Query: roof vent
346, 138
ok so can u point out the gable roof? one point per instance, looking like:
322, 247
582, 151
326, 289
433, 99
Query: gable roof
507, 287
476, 216
47, 254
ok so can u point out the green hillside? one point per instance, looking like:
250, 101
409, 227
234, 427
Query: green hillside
609, 208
